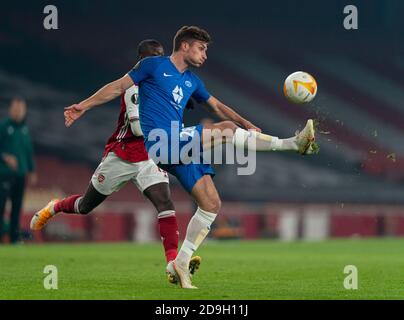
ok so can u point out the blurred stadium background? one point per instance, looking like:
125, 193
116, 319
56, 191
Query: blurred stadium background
354, 187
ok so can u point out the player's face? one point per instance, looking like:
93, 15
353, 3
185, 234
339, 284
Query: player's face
195, 53
18, 110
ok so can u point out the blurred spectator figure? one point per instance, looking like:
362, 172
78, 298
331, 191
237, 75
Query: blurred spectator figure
16, 163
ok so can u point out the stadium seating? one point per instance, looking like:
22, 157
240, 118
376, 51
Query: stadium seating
360, 128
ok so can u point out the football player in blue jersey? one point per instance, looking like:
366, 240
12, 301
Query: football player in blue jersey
165, 86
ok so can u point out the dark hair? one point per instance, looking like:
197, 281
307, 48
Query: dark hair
16, 99
190, 34
147, 47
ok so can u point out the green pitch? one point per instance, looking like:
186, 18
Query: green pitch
229, 270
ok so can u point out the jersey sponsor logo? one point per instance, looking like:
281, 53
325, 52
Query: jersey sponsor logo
188, 84
167, 75
178, 94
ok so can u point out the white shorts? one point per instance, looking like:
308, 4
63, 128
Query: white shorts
113, 173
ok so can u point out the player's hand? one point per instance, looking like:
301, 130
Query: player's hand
72, 113
249, 126
11, 161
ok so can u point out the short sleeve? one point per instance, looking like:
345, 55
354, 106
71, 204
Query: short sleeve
143, 70
201, 94
132, 103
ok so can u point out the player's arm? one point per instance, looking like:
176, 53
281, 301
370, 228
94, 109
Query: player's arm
9, 159
104, 95
108, 92
224, 112
135, 127
132, 111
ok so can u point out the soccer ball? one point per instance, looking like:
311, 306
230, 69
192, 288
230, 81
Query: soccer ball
300, 87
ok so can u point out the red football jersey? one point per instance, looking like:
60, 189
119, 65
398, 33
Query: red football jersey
123, 142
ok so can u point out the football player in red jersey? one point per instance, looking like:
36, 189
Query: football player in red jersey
125, 159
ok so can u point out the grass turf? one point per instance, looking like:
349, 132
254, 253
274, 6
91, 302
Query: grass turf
229, 270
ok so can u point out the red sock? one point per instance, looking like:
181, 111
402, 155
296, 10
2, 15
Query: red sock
169, 234
67, 205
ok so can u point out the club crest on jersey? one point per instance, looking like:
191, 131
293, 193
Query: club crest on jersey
188, 84
101, 178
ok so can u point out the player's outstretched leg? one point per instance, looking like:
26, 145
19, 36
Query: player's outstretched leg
41, 218
303, 142
75, 204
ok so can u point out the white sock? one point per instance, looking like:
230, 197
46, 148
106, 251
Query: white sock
166, 214
198, 229
256, 141
52, 210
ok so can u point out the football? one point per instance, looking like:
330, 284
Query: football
300, 87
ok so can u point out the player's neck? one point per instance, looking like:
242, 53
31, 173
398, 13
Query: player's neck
178, 62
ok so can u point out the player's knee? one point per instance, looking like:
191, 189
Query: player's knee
164, 204
159, 195
213, 204
229, 125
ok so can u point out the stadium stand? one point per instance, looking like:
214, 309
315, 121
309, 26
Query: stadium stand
359, 107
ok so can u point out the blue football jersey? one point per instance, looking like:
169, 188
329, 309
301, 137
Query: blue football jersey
164, 92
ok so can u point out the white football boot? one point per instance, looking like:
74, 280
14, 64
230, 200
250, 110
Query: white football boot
305, 139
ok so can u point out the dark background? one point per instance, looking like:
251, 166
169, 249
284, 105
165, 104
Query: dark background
96, 43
